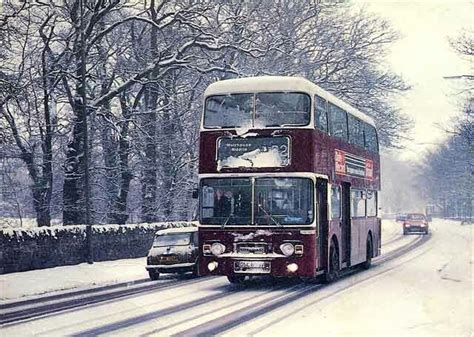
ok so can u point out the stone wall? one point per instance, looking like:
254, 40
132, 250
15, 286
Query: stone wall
46, 247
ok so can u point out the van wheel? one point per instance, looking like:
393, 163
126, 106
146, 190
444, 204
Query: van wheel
369, 254
154, 275
236, 279
332, 272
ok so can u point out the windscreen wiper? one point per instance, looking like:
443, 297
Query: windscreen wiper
270, 216
226, 221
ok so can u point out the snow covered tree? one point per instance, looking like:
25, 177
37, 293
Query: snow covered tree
142, 67
28, 105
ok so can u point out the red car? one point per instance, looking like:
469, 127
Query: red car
415, 223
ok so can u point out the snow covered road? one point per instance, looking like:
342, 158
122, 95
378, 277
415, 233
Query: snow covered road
420, 286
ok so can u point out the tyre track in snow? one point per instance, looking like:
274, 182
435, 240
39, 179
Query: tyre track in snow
371, 275
16, 312
72, 293
395, 238
394, 235
255, 310
231, 297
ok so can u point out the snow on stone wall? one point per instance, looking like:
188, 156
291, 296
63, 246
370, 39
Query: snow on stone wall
24, 249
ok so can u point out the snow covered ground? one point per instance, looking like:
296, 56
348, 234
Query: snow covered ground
426, 291
84, 275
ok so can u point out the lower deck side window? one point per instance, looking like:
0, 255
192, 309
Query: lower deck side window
335, 202
357, 203
371, 203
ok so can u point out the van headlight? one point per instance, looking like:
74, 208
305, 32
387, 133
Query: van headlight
217, 248
287, 249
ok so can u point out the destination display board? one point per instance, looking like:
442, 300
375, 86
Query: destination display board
253, 152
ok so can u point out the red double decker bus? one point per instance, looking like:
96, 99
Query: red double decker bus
288, 181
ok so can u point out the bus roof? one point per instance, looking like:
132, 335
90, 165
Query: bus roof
280, 83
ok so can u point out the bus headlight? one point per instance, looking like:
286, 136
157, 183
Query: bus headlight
212, 266
287, 249
217, 248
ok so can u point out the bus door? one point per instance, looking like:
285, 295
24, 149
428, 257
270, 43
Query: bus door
346, 224
322, 221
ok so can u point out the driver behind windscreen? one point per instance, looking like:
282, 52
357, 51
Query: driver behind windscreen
222, 203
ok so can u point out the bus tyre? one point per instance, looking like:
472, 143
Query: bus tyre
236, 279
332, 272
154, 275
369, 254
196, 270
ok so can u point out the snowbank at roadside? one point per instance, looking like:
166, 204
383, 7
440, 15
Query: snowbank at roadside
35, 282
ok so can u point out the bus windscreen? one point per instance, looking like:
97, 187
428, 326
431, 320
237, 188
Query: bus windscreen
284, 201
276, 201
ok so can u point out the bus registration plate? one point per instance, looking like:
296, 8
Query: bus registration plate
258, 267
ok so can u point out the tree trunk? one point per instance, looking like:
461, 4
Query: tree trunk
149, 182
169, 137
46, 180
109, 152
119, 207
73, 191
75, 209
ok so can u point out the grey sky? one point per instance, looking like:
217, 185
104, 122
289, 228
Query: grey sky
423, 57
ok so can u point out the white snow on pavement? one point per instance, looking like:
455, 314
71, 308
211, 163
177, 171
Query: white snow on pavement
425, 292
84, 275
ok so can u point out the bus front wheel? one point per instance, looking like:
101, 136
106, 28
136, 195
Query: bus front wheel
236, 279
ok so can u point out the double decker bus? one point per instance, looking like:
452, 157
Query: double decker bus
288, 181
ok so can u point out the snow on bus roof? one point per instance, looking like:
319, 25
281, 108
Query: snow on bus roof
281, 83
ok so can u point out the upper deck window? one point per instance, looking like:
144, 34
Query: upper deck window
321, 114
281, 109
356, 131
371, 142
229, 111
270, 109
338, 121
